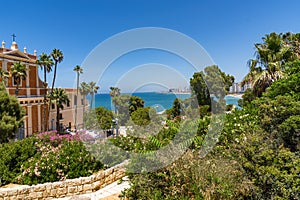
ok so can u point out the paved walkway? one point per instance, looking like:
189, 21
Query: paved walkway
110, 190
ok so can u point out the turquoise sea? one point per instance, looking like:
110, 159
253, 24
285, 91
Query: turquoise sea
160, 101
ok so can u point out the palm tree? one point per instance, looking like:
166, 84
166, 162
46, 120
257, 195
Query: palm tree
114, 92
93, 90
4, 75
268, 65
79, 71
84, 90
58, 57
59, 97
46, 63
18, 72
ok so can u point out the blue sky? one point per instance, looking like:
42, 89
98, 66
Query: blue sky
226, 29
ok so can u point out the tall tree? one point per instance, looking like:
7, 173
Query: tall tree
11, 115
57, 57
267, 67
93, 90
84, 90
18, 72
218, 81
199, 89
135, 102
122, 103
59, 97
114, 92
104, 118
46, 63
79, 71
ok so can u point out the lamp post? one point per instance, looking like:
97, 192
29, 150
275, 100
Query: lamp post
117, 127
52, 124
116, 120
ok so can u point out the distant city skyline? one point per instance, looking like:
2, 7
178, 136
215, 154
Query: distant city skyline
227, 30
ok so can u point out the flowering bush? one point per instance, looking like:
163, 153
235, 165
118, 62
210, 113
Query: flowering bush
47, 157
70, 159
59, 157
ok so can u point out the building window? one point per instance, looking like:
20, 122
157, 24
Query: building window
53, 106
75, 100
60, 116
68, 104
82, 101
15, 83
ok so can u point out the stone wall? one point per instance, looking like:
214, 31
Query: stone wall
66, 188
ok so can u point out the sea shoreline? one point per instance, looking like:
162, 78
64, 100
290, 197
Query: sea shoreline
235, 95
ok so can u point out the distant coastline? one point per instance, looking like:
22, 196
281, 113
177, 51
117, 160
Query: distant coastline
167, 92
235, 95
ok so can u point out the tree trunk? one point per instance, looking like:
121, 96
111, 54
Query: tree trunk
83, 111
76, 101
45, 91
54, 77
57, 119
17, 90
52, 87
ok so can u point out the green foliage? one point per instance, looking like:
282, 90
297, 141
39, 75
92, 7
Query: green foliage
190, 178
289, 132
68, 160
122, 104
229, 107
176, 109
11, 115
90, 120
289, 85
46, 157
247, 98
107, 153
149, 141
218, 82
13, 155
126, 105
199, 89
114, 92
18, 71
104, 117
211, 81
141, 116
257, 154
135, 103
275, 111
58, 97
274, 171
268, 67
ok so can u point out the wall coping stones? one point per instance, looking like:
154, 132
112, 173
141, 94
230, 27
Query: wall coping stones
68, 187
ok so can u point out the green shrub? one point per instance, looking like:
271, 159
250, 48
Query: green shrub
46, 157
289, 131
13, 156
190, 178
141, 116
58, 158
